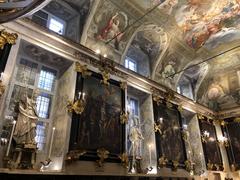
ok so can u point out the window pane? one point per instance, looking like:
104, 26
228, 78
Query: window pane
133, 103
41, 134
56, 26
26, 72
43, 105
47, 79
131, 64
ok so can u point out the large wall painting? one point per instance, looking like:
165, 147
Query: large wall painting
99, 124
211, 148
231, 131
169, 142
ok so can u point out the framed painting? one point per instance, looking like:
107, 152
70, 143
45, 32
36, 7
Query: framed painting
210, 145
231, 131
169, 142
4, 53
98, 126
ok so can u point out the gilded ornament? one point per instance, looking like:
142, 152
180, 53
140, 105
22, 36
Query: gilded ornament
157, 128
200, 117
210, 166
169, 104
188, 165
6, 37
237, 120
102, 154
124, 117
162, 161
123, 85
106, 77
2, 88
78, 106
74, 155
82, 69
124, 160
180, 108
175, 165
185, 135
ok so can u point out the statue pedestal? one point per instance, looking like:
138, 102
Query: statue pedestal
24, 157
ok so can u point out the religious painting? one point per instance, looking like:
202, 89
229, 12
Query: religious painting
4, 53
211, 148
208, 23
231, 131
98, 126
169, 142
220, 91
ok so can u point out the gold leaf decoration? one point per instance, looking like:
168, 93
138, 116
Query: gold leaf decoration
162, 161
175, 165
106, 77
180, 108
2, 88
124, 160
6, 37
188, 165
74, 155
124, 117
123, 85
157, 128
78, 106
102, 154
82, 69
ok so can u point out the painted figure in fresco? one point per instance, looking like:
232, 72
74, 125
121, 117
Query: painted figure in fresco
168, 5
25, 131
112, 30
168, 70
199, 20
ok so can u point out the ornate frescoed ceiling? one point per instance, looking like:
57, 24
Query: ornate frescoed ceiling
180, 44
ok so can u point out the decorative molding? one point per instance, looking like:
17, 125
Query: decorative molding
102, 154
124, 116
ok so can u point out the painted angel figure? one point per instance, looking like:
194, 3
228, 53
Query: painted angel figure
112, 30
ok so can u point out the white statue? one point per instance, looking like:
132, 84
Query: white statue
135, 137
25, 131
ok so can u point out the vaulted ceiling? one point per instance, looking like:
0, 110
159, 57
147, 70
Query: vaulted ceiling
191, 46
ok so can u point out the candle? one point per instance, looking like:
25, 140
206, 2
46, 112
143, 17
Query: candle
150, 154
10, 140
79, 95
51, 143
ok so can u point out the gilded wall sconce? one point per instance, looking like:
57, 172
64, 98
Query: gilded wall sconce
205, 136
124, 117
102, 154
124, 160
77, 106
223, 141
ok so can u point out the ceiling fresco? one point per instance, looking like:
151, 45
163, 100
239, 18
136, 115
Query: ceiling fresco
171, 40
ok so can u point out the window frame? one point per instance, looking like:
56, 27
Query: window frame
128, 59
